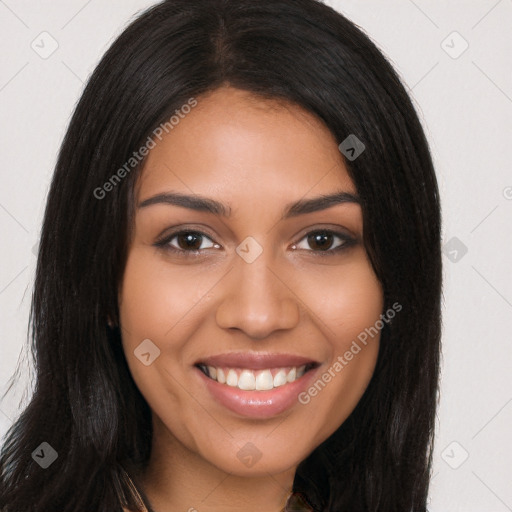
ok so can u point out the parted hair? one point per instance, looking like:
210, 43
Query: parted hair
85, 403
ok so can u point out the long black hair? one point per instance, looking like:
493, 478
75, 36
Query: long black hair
85, 404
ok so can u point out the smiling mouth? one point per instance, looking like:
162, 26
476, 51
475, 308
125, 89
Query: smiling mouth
256, 380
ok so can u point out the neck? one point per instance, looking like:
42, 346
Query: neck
178, 479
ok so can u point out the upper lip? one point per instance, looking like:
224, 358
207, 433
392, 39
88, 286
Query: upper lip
255, 361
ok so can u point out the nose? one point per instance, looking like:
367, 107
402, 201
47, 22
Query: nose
257, 299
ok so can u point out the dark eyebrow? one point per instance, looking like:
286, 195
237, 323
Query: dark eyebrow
319, 203
195, 202
205, 204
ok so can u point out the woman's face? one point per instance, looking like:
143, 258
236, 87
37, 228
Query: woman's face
253, 288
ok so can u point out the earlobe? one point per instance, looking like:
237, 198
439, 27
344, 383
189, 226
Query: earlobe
110, 323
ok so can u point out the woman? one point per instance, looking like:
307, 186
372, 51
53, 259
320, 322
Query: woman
237, 298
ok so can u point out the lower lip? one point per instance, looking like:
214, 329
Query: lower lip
258, 404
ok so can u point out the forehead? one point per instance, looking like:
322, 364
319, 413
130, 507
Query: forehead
236, 145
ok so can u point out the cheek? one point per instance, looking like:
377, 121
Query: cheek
155, 304
346, 300
154, 299
350, 306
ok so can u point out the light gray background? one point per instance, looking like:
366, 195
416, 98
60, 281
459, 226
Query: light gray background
465, 103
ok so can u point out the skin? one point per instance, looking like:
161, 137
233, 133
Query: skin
255, 156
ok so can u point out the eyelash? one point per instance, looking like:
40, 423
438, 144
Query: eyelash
164, 242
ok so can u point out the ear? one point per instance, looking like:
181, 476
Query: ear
110, 323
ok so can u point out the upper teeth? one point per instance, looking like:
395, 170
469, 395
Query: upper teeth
249, 380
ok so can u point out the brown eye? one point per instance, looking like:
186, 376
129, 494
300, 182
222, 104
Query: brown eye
187, 241
324, 241
321, 240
